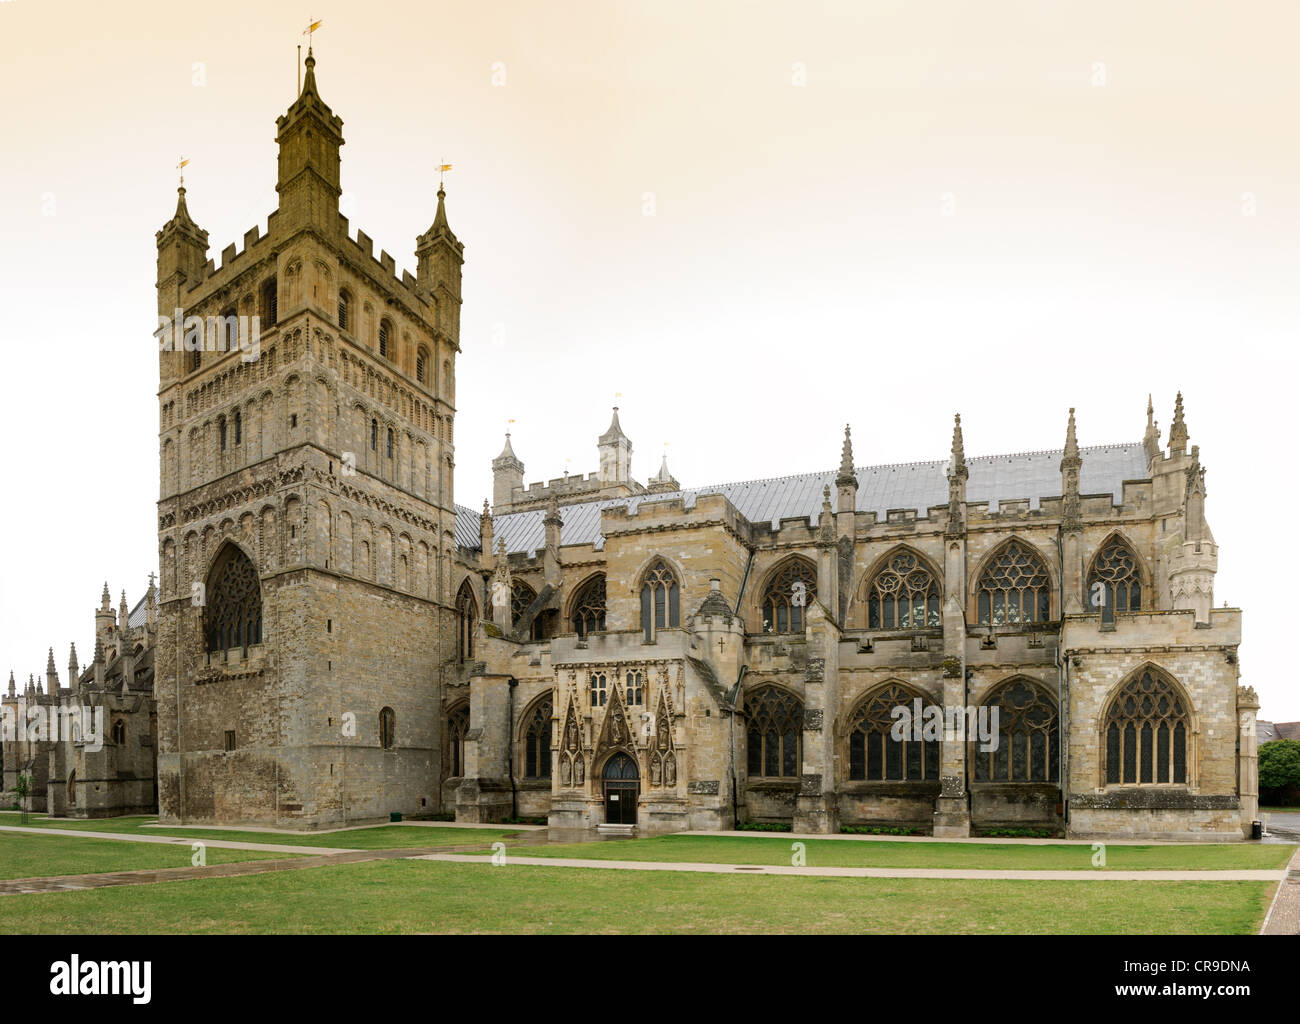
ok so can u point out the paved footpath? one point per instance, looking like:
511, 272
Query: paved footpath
226, 844
67, 883
1284, 915
845, 872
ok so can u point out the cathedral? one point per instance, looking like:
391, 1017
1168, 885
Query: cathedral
337, 640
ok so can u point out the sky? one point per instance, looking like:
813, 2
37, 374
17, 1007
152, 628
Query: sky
744, 223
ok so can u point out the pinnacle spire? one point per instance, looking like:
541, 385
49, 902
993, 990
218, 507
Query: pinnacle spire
1071, 439
615, 431
12, 691
507, 452
957, 465
846, 477
440, 218
1178, 431
49, 664
309, 77
105, 602
1151, 439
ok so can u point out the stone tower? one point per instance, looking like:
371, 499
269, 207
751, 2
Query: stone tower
305, 520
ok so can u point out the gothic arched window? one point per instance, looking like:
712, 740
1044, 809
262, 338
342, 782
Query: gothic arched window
589, 607
388, 447
196, 360
345, 304
466, 613
374, 435
457, 727
537, 741
387, 728
421, 365
1147, 726
787, 596
874, 751
270, 303
232, 613
1028, 741
904, 595
1116, 569
385, 332
774, 733
119, 731
1014, 587
660, 600
238, 420
521, 597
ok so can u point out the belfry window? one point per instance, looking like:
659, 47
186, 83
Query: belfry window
774, 733
877, 754
1115, 582
589, 607
270, 303
1014, 588
232, 613
786, 599
1147, 726
239, 426
345, 303
904, 595
388, 445
374, 435
421, 365
385, 331
660, 600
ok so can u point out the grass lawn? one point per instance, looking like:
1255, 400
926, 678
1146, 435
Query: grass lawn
426, 896
23, 855
384, 838
842, 853
1281, 810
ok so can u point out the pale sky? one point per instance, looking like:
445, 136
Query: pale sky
1003, 209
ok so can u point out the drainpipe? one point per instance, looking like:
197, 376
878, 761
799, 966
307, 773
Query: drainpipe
731, 699
744, 580
510, 749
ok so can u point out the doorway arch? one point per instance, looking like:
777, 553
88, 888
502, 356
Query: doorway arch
622, 786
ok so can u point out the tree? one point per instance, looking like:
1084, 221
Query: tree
1279, 764
22, 786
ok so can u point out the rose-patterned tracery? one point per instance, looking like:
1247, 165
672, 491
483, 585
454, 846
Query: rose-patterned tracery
232, 614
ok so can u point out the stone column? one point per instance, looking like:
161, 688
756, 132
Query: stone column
952, 809
1248, 757
485, 794
817, 806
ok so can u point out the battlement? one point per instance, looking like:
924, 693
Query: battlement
567, 490
382, 268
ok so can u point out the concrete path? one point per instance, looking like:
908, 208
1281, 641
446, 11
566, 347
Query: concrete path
70, 883
1284, 915
847, 872
227, 844
347, 828
849, 837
